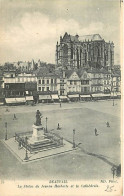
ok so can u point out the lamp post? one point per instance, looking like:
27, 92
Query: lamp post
46, 124
6, 131
26, 142
113, 98
73, 138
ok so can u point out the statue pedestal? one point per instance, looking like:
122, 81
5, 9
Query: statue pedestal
38, 134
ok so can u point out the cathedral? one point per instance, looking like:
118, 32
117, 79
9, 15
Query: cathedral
84, 52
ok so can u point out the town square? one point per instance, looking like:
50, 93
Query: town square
94, 154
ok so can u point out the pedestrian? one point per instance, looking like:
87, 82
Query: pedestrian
107, 124
113, 169
7, 110
14, 118
96, 132
58, 128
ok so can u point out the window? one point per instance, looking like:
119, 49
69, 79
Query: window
85, 89
55, 81
11, 75
7, 86
84, 82
43, 89
39, 81
98, 81
51, 81
42, 81
75, 82
71, 82
104, 81
71, 52
47, 88
39, 88
47, 81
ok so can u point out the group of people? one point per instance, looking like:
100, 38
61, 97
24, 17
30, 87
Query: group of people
95, 130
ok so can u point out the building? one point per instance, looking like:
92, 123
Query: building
19, 88
2, 96
73, 85
84, 51
116, 82
47, 86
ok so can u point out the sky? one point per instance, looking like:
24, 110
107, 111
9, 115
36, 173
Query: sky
29, 29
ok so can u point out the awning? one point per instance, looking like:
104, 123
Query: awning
74, 96
29, 98
84, 96
20, 100
55, 97
15, 100
113, 95
101, 95
98, 95
106, 95
10, 100
63, 97
44, 97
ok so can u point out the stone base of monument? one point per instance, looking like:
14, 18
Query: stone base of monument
49, 152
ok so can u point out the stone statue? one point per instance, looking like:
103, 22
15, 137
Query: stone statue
38, 118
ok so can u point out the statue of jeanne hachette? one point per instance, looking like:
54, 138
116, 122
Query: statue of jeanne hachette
38, 118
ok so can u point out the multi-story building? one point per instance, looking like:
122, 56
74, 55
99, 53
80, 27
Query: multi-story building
2, 96
96, 83
19, 88
85, 81
47, 86
116, 82
84, 51
73, 85
107, 81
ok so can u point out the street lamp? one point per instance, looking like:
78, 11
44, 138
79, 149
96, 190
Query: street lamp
74, 138
46, 124
113, 98
26, 142
6, 130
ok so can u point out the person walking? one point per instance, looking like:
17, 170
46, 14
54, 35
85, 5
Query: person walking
108, 125
58, 128
96, 132
14, 118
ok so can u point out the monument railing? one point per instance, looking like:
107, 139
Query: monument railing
55, 138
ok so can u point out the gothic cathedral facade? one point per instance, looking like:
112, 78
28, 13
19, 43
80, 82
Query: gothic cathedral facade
84, 52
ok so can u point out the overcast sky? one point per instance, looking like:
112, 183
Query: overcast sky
29, 29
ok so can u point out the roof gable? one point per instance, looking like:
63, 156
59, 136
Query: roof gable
74, 76
85, 76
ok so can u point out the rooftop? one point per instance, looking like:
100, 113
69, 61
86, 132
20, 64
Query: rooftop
93, 37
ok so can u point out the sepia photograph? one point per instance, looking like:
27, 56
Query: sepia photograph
61, 97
